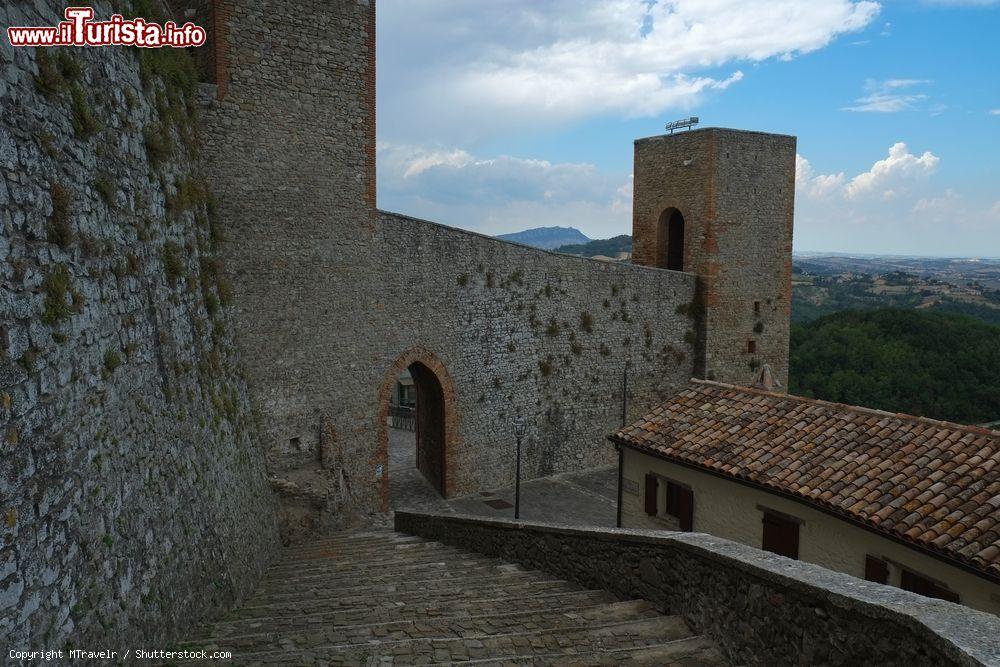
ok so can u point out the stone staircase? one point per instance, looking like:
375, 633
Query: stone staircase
380, 598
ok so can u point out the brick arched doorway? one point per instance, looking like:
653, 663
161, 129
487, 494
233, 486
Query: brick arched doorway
436, 422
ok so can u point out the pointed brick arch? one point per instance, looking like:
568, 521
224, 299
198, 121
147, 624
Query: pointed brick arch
436, 377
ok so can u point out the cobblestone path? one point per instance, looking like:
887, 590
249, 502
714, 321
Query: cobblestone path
376, 597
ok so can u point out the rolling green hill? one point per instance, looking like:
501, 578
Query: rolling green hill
606, 247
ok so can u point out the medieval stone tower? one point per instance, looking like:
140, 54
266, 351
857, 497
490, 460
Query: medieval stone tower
719, 203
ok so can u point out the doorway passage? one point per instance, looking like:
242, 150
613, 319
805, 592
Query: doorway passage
417, 426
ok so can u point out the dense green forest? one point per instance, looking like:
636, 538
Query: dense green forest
939, 365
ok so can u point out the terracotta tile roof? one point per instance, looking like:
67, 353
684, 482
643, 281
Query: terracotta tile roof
931, 483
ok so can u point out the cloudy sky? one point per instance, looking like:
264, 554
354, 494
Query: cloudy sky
502, 115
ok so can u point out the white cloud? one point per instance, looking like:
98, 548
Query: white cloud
497, 66
816, 185
501, 194
425, 161
900, 164
995, 112
893, 207
890, 96
889, 178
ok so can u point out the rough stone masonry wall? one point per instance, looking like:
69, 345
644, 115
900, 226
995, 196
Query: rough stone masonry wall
289, 149
761, 609
330, 298
133, 499
532, 333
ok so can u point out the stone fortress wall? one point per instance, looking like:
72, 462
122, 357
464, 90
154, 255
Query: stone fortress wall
531, 333
335, 297
135, 456
332, 293
133, 495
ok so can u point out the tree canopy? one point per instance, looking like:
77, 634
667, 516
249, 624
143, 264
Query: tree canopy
938, 365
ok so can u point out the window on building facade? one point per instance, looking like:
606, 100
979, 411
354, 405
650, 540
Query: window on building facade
680, 505
651, 493
876, 570
913, 582
678, 501
781, 535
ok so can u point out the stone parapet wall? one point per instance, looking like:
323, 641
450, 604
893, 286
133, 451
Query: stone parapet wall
761, 609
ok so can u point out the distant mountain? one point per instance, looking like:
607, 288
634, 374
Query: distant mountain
547, 238
604, 247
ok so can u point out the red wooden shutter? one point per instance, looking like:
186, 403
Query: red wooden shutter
876, 570
651, 484
685, 498
781, 536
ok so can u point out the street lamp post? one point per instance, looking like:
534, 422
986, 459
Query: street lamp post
519, 428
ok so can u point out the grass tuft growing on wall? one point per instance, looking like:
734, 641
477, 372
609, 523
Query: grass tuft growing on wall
55, 72
105, 187
159, 145
173, 262
85, 123
60, 229
59, 296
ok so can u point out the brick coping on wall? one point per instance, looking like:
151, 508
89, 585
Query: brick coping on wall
964, 635
622, 265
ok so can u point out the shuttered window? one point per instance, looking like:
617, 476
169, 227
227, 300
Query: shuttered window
876, 570
911, 581
651, 492
673, 499
679, 501
781, 535
685, 509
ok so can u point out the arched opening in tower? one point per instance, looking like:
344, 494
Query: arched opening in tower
417, 426
670, 234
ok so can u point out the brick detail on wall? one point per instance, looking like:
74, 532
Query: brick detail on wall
222, 13
416, 355
736, 191
370, 115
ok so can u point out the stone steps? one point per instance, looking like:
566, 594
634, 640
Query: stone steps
469, 582
415, 612
454, 625
381, 598
492, 588
402, 569
585, 637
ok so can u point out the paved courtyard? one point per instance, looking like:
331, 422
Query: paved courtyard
580, 498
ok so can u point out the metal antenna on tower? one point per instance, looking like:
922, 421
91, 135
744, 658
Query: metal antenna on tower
685, 123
